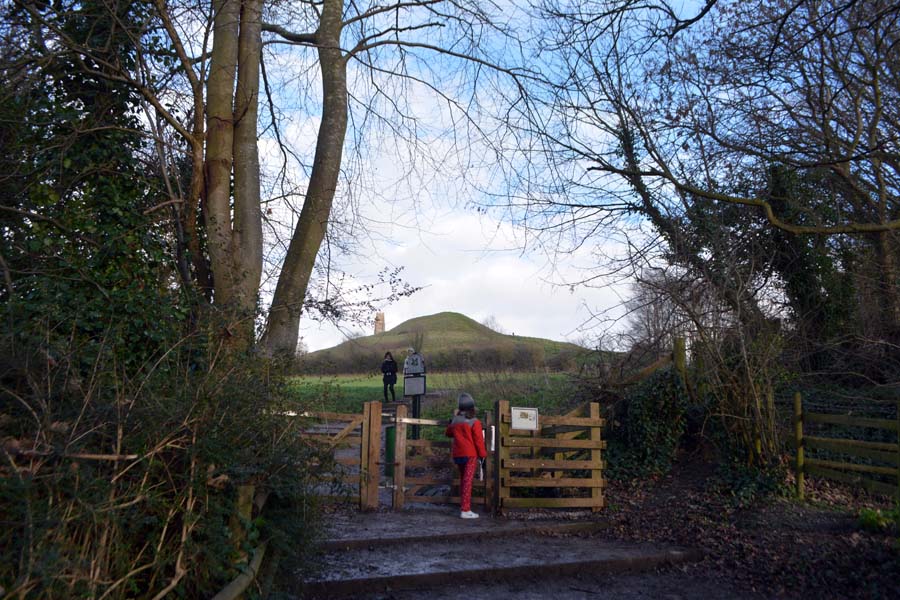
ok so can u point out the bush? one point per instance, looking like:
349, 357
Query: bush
122, 482
647, 429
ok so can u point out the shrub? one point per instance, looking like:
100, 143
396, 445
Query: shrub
122, 482
647, 430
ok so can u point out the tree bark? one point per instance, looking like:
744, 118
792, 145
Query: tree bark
219, 147
282, 329
246, 236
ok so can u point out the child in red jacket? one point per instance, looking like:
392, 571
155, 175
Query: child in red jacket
467, 449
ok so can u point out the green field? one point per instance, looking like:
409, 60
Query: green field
552, 393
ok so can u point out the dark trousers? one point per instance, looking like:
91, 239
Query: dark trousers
386, 386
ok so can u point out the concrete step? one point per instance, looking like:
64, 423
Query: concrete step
473, 553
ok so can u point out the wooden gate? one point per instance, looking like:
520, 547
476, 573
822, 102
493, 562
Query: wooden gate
423, 467
355, 440
559, 466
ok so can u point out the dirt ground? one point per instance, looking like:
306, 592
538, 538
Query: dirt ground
774, 548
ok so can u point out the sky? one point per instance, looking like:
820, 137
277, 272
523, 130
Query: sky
472, 264
414, 202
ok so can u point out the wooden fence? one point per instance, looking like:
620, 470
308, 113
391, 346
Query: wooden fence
869, 475
559, 466
424, 465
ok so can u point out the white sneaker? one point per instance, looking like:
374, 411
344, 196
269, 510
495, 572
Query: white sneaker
468, 514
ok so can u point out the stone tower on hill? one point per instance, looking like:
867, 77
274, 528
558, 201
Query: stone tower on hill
379, 323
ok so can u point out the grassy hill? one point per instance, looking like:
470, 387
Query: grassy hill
449, 341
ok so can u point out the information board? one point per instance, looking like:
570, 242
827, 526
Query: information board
524, 418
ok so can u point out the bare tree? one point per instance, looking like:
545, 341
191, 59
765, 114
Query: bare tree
201, 77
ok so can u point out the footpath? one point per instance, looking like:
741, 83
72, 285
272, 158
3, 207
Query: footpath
417, 551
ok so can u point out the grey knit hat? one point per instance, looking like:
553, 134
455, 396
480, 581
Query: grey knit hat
466, 402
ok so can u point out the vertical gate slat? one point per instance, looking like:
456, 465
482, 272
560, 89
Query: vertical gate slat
374, 443
596, 473
502, 452
364, 457
400, 458
488, 470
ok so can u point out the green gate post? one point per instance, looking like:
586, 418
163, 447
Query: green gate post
390, 443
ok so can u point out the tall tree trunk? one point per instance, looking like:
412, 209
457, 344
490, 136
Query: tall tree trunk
284, 318
219, 147
888, 280
246, 239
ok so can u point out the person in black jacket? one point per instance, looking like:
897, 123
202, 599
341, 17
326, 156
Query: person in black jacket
389, 368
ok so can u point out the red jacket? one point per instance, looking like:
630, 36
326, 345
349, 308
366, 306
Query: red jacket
468, 437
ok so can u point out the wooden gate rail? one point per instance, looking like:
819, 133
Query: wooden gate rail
544, 459
847, 472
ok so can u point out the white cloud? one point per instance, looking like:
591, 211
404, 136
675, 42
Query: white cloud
469, 264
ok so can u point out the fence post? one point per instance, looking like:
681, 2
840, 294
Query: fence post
374, 454
488, 470
501, 409
898, 454
243, 512
596, 458
798, 439
400, 459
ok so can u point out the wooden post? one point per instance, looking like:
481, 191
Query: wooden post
898, 454
798, 440
374, 451
400, 458
597, 459
243, 512
364, 457
501, 473
488, 471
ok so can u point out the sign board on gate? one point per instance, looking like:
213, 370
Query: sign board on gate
414, 385
524, 418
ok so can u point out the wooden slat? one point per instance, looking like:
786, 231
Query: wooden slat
562, 482
428, 443
885, 446
830, 464
373, 472
525, 463
850, 421
552, 443
412, 421
353, 439
441, 499
488, 464
574, 421
431, 481
400, 457
364, 458
347, 460
502, 455
596, 491
547, 420
841, 446
346, 431
553, 503
871, 485
453, 482
332, 416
